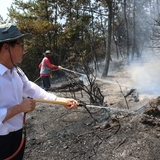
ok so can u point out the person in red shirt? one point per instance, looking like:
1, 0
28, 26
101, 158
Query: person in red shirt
45, 69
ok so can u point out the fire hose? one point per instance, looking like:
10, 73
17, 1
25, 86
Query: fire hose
37, 79
65, 69
22, 141
60, 102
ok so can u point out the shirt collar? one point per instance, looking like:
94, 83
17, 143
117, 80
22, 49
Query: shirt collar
3, 69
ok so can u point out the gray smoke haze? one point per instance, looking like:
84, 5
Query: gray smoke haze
146, 77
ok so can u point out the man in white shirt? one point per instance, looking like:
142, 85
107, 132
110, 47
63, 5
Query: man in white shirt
14, 86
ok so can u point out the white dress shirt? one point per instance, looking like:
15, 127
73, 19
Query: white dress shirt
13, 88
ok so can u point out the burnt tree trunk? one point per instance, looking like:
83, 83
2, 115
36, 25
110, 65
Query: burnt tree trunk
108, 52
126, 22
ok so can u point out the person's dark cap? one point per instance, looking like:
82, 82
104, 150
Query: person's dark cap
9, 32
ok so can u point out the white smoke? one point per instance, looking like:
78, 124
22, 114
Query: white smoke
146, 77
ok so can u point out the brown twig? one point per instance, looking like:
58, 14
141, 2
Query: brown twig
123, 95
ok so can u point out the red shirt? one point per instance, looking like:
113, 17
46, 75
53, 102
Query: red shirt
48, 64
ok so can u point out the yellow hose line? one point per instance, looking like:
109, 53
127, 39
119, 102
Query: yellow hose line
61, 102
37, 79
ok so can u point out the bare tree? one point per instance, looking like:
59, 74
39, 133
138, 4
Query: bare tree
108, 51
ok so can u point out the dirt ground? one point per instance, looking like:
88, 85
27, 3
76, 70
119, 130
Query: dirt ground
127, 129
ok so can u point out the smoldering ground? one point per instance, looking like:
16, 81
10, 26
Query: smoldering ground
55, 133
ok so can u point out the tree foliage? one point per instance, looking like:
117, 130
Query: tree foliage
78, 30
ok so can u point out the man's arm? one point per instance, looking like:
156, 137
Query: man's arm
49, 65
40, 65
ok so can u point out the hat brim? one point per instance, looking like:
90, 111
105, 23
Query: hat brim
24, 36
27, 36
46, 53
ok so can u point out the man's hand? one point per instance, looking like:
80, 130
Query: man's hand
27, 105
73, 104
60, 67
70, 103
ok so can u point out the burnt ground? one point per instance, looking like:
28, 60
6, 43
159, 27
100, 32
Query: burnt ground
127, 129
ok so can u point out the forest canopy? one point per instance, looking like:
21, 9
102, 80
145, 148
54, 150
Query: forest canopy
79, 32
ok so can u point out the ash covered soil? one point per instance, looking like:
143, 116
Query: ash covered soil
128, 129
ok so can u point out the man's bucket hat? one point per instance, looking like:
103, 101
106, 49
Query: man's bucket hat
47, 52
9, 32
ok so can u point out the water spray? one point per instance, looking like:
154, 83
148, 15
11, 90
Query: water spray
84, 76
73, 71
66, 103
